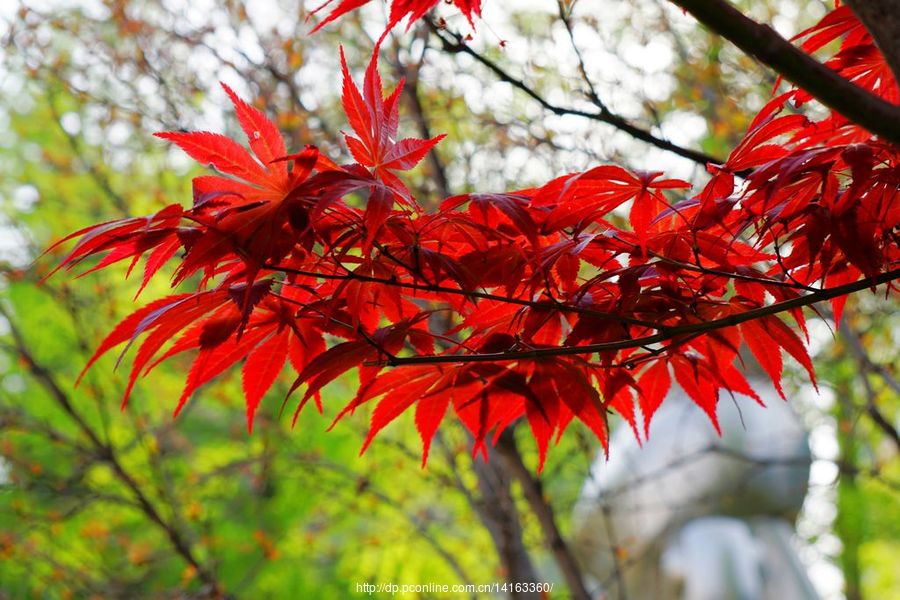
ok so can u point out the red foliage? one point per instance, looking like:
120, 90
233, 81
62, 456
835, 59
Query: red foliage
400, 9
539, 303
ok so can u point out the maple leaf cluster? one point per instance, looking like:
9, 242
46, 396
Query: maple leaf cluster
538, 303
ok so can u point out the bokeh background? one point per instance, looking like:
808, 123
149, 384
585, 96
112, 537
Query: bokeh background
101, 503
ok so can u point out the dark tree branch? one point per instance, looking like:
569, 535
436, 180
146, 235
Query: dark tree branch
434, 160
454, 43
618, 574
765, 44
488, 507
664, 335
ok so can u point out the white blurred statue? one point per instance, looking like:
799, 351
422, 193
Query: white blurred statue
691, 516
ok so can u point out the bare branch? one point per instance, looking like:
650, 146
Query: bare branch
765, 44
454, 43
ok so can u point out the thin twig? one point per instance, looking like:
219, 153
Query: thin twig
455, 43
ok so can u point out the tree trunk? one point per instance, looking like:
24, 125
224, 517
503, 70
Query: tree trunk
497, 511
534, 495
